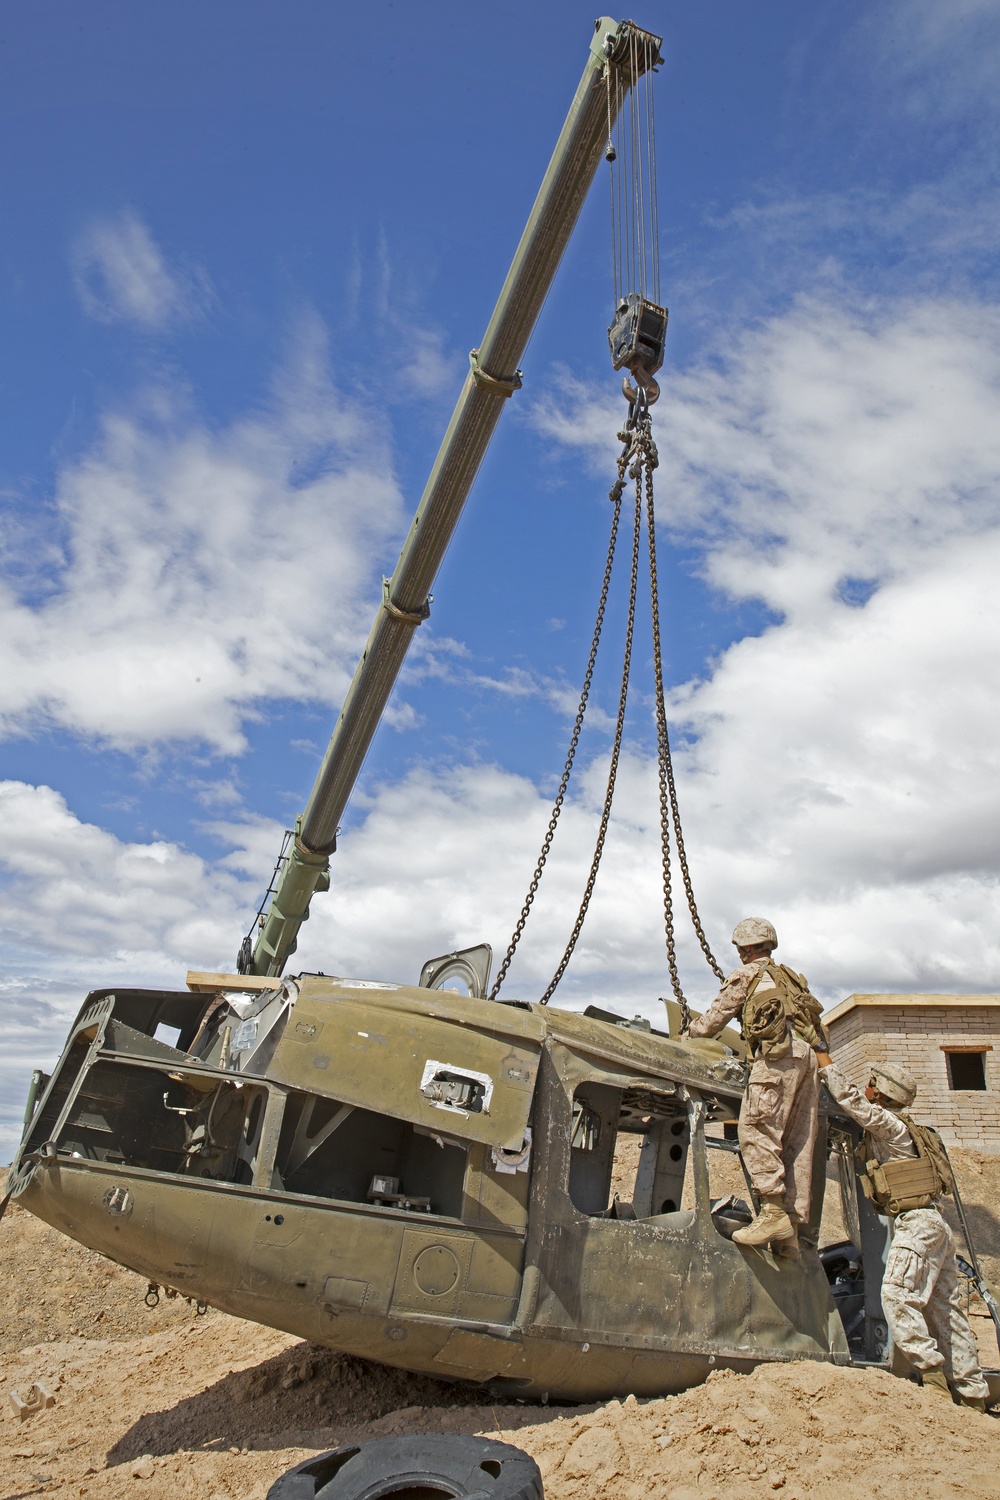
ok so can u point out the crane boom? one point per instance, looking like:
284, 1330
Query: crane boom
493, 377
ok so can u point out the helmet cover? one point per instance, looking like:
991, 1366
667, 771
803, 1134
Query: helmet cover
895, 1084
754, 930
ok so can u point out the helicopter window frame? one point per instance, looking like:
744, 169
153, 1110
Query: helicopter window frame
604, 1111
240, 1154
672, 1166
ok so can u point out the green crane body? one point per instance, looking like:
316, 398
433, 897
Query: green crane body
493, 376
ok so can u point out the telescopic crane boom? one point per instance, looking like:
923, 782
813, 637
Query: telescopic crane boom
619, 53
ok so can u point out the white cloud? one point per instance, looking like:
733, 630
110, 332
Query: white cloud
424, 368
198, 571
442, 659
442, 859
121, 276
77, 893
842, 772
428, 370
947, 51
830, 443
82, 909
939, 233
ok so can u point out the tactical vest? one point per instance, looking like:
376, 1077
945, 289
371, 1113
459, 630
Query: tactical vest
909, 1182
765, 1019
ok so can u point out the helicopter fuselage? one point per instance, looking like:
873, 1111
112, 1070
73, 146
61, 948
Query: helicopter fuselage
424, 1178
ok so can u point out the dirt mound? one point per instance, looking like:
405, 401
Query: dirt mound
52, 1288
219, 1409
798, 1430
301, 1385
158, 1403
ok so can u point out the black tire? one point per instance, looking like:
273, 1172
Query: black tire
432, 1467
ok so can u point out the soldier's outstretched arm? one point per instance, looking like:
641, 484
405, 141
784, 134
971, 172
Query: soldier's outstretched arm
726, 1005
880, 1123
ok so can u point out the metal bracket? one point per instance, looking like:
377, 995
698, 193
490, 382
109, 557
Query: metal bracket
612, 40
494, 383
605, 37
37, 1399
405, 616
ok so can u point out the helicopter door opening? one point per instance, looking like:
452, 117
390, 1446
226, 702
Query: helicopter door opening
630, 1158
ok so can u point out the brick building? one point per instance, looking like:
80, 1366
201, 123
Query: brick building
946, 1041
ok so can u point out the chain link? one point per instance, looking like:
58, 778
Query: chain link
662, 740
615, 755
615, 496
638, 458
668, 787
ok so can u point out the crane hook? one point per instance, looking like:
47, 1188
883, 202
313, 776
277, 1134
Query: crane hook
650, 392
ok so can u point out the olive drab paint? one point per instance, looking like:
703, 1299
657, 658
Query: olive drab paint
421, 1177
425, 1178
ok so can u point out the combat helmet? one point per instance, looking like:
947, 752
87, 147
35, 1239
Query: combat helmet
895, 1084
754, 930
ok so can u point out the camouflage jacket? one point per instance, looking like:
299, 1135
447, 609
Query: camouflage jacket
730, 1000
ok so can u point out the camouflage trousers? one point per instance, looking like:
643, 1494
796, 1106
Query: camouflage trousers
778, 1122
922, 1301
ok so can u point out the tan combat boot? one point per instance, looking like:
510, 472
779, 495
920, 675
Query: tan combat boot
936, 1381
789, 1249
771, 1226
978, 1403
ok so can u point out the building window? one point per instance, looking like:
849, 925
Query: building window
967, 1070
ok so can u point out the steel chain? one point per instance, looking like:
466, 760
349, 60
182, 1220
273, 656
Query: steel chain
639, 458
615, 495
666, 768
662, 755
615, 755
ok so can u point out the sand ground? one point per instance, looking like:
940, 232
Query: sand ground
158, 1403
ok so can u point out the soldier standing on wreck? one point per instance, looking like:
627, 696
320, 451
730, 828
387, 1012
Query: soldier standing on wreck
780, 1023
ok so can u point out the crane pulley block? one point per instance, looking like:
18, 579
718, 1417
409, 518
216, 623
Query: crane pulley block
637, 337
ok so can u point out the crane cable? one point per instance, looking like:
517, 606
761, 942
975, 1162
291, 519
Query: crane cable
631, 151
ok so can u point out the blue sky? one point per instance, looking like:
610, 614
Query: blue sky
244, 252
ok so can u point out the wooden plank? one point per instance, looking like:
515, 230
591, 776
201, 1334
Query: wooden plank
204, 982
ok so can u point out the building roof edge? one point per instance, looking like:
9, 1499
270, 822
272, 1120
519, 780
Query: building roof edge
858, 1001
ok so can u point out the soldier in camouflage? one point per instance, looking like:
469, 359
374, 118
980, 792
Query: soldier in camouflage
780, 1111
921, 1288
